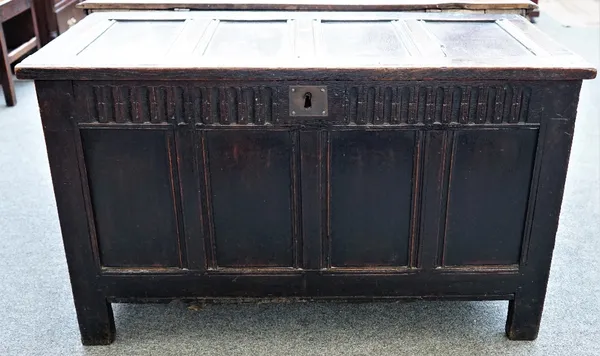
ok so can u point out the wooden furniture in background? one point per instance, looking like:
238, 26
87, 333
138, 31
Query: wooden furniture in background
307, 155
56, 16
18, 37
476, 6
535, 13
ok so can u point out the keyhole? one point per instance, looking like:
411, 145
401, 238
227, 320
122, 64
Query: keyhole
307, 101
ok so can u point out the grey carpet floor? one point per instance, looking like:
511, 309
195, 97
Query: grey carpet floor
37, 316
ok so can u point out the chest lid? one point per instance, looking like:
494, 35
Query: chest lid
313, 5
212, 45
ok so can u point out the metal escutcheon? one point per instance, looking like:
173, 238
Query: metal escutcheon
308, 100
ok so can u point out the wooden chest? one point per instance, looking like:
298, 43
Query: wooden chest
307, 155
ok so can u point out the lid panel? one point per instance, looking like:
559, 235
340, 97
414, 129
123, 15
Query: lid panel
249, 39
134, 41
333, 45
361, 39
475, 39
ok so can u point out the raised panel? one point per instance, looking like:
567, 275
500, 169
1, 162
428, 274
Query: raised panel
371, 187
251, 187
249, 39
131, 41
490, 177
361, 39
475, 39
132, 193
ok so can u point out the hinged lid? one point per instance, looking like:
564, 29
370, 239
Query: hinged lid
311, 5
303, 46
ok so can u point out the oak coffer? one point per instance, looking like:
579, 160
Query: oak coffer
307, 155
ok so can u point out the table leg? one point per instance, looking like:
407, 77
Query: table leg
6, 73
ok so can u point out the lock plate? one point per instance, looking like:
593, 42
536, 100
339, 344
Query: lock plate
308, 100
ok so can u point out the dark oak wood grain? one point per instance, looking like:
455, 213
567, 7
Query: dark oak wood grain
182, 171
94, 313
143, 232
311, 5
490, 177
371, 226
250, 176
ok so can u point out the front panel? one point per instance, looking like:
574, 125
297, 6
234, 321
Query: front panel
250, 180
371, 185
132, 190
488, 192
401, 177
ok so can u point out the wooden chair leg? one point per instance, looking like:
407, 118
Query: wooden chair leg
5, 73
34, 24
